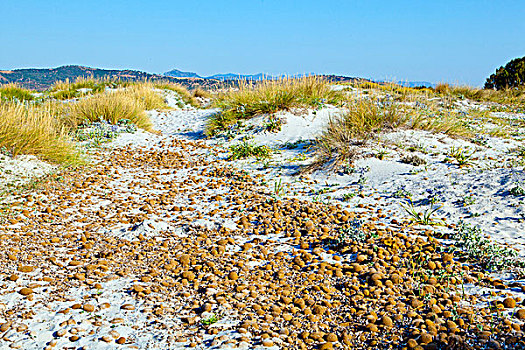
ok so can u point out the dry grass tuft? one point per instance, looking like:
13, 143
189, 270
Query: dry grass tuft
200, 92
79, 83
146, 95
363, 120
366, 118
185, 95
442, 88
506, 96
111, 107
30, 129
15, 92
268, 97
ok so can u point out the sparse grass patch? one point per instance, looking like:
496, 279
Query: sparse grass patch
210, 320
505, 96
185, 95
413, 159
424, 217
363, 119
517, 190
269, 97
14, 92
246, 149
447, 123
29, 129
461, 156
79, 83
65, 90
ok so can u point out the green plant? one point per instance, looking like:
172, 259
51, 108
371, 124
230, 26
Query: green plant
347, 196
468, 200
481, 250
210, 320
65, 94
245, 149
273, 124
353, 232
424, 217
401, 193
461, 156
517, 190
278, 188
381, 154
362, 180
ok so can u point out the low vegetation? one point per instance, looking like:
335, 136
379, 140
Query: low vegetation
268, 97
482, 251
112, 107
13, 92
365, 118
65, 90
502, 96
30, 129
201, 93
246, 149
48, 128
184, 94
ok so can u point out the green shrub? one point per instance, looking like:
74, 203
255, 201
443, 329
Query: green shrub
510, 76
245, 150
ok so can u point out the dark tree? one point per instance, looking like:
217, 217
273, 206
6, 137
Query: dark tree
510, 76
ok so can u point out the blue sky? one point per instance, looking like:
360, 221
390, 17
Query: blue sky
456, 41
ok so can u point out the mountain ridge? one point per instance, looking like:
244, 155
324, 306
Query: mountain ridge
44, 78
228, 76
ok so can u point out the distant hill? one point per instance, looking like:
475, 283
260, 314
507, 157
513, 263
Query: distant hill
229, 76
180, 74
44, 78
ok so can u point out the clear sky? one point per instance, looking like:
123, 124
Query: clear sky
456, 41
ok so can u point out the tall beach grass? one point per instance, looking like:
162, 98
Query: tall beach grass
363, 119
14, 92
268, 97
35, 129
110, 107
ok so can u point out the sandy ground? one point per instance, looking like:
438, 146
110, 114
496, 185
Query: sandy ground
21, 170
91, 266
